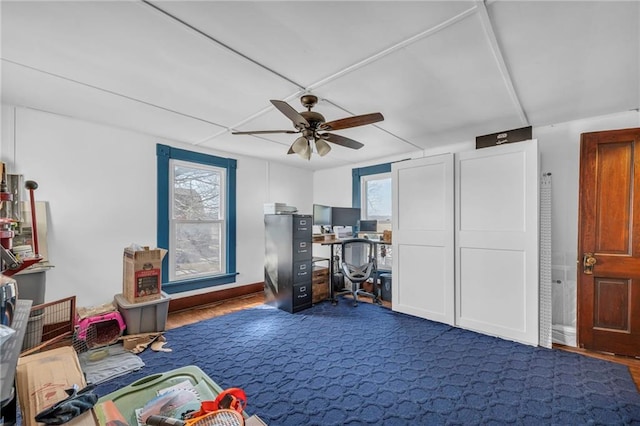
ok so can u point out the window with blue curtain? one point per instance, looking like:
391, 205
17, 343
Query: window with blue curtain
196, 219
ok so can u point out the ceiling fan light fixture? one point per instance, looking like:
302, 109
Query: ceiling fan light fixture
299, 145
302, 148
310, 123
307, 154
322, 148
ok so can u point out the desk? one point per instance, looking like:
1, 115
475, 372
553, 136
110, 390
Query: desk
336, 241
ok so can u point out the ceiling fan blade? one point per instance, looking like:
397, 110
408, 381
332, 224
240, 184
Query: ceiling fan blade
341, 140
322, 148
298, 120
355, 121
263, 132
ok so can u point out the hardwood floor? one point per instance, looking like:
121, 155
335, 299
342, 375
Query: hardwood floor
189, 316
632, 363
192, 315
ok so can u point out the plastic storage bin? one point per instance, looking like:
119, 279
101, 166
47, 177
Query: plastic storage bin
137, 394
32, 285
144, 317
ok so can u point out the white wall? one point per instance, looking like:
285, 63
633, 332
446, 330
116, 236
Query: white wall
560, 155
100, 183
559, 151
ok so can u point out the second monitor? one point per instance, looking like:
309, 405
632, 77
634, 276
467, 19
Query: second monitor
368, 226
345, 216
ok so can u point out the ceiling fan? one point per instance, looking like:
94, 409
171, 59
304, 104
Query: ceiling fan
314, 128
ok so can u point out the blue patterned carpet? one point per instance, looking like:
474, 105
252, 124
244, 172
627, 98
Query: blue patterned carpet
340, 365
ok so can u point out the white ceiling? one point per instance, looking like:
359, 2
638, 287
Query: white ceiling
440, 72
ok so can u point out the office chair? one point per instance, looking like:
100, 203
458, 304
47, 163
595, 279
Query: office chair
358, 264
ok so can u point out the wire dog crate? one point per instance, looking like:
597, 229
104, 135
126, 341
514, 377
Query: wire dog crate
48, 323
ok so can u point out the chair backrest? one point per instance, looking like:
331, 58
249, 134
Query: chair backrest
358, 259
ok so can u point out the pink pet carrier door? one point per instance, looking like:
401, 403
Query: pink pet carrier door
101, 330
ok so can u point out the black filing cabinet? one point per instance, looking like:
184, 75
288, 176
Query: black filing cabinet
288, 270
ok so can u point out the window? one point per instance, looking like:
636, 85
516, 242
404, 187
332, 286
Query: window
196, 219
371, 191
376, 197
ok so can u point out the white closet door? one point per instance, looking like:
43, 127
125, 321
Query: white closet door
497, 241
423, 219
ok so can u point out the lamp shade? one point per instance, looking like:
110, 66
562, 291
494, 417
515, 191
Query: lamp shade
322, 147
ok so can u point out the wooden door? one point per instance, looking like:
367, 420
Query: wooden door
609, 235
497, 241
423, 240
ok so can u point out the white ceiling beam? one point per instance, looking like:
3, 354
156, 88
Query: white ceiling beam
108, 91
502, 66
394, 48
219, 43
398, 46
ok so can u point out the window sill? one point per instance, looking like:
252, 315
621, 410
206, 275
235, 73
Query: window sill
198, 283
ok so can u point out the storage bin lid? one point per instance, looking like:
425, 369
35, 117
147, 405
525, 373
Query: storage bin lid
124, 303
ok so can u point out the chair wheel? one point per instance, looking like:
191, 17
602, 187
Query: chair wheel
355, 303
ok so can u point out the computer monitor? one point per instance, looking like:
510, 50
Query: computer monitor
368, 226
345, 216
321, 215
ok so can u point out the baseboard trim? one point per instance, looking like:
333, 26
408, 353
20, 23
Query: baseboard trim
564, 335
213, 296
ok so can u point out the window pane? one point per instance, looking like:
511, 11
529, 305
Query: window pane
196, 218
197, 249
378, 199
196, 193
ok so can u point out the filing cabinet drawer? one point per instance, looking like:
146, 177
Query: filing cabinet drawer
302, 250
302, 227
302, 272
301, 294
320, 274
320, 284
288, 261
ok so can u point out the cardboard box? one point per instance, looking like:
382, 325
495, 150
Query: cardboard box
41, 380
254, 421
142, 274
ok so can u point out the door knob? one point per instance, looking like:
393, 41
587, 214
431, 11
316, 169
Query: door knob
588, 260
